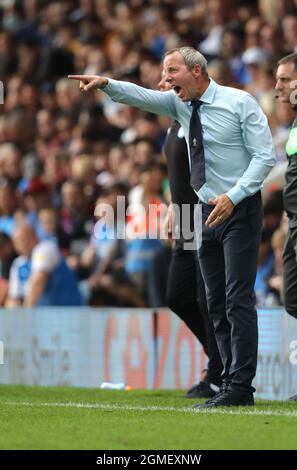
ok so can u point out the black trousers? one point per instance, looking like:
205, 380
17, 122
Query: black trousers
290, 269
186, 297
228, 258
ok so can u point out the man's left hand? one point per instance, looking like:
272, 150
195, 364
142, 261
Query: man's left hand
223, 208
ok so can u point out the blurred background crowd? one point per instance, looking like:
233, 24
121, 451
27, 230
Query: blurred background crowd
63, 152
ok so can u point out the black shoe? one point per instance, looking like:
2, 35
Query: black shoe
213, 398
223, 389
228, 398
293, 398
201, 390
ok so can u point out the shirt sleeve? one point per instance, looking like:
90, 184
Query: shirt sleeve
157, 102
45, 257
257, 140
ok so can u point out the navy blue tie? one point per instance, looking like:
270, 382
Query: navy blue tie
196, 148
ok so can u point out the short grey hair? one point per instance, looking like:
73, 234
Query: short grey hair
191, 57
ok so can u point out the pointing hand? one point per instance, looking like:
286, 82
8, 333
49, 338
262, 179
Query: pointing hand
88, 82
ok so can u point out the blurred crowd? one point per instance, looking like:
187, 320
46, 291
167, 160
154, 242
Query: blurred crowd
64, 153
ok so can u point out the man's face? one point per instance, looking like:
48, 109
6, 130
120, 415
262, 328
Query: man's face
24, 241
8, 200
286, 75
163, 85
183, 81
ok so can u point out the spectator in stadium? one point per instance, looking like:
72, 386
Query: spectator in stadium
252, 30
10, 163
220, 72
253, 58
46, 133
104, 258
74, 218
39, 276
286, 77
36, 197
232, 48
289, 25
84, 173
230, 199
48, 223
143, 219
7, 256
215, 15
269, 40
8, 205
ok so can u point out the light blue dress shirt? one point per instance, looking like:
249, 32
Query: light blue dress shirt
237, 140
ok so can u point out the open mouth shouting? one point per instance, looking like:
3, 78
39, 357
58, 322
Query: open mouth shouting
177, 90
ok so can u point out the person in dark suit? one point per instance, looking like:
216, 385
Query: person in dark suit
231, 153
185, 286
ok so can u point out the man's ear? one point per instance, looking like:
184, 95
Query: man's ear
196, 70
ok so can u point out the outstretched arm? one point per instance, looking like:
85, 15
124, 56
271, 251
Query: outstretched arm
156, 102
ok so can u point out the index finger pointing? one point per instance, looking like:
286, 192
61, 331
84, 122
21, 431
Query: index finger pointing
77, 77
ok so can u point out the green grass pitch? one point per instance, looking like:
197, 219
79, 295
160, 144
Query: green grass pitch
74, 418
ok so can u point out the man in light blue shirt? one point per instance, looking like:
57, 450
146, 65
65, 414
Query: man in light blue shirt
238, 156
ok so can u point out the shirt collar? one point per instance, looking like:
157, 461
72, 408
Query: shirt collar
208, 95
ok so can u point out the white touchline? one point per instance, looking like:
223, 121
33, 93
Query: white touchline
115, 407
